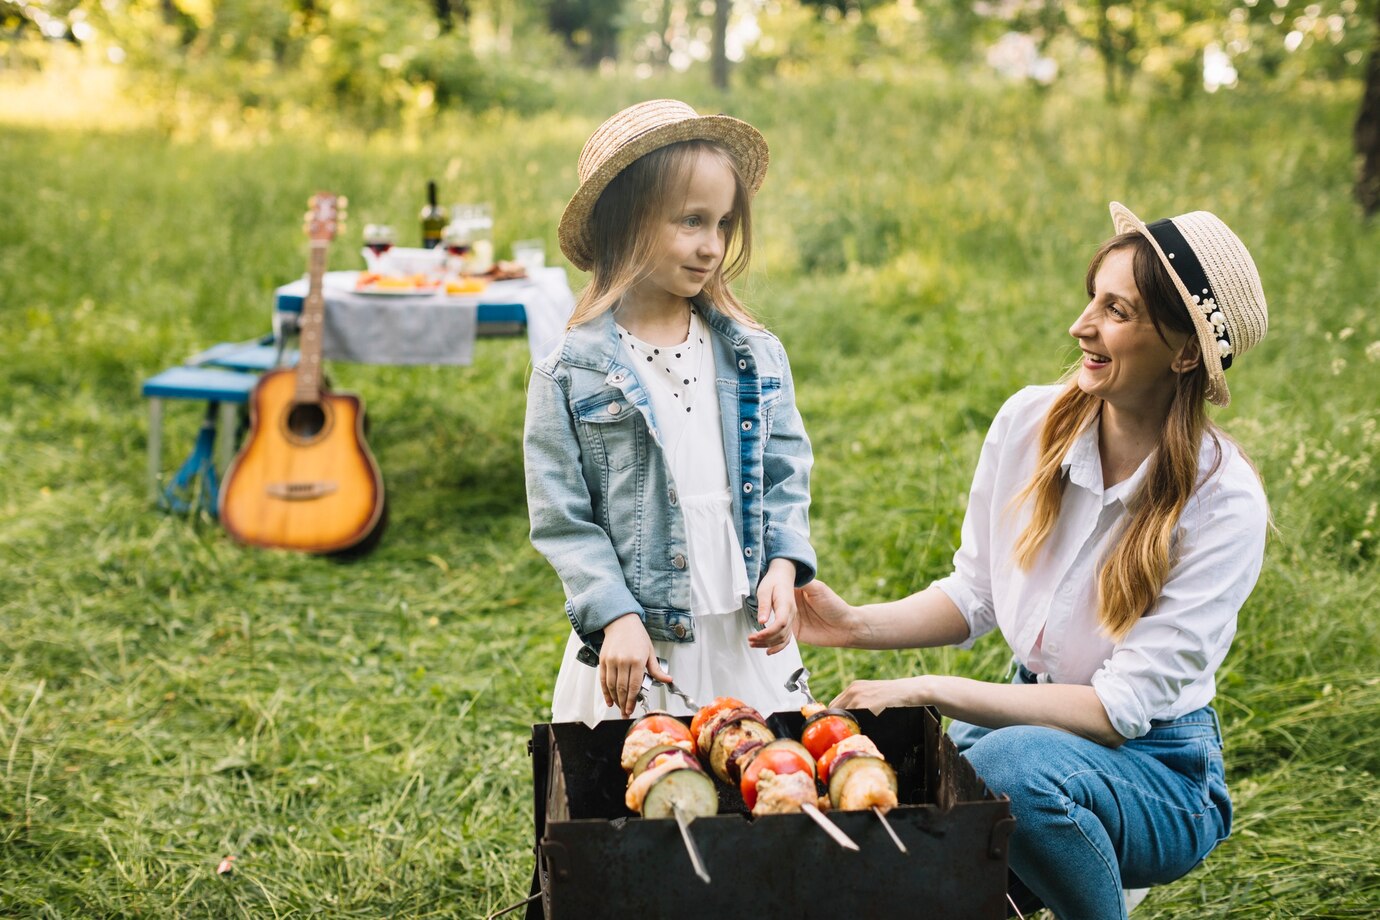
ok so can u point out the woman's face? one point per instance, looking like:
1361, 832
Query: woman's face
1125, 361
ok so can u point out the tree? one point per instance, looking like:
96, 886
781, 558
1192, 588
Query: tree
719, 56
588, 27
1366, 134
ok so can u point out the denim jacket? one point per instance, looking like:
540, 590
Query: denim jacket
602, 502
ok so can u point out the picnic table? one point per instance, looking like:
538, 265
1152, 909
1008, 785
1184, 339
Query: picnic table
403, 329
430, 328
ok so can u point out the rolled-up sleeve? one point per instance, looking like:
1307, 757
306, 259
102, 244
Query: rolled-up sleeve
786, 463
1220, 549
562, 517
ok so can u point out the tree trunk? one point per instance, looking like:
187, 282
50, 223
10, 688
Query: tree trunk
1366, 134
1106, 49
443, 15
720, 51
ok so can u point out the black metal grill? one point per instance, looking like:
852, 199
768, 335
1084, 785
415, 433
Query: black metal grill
596, 860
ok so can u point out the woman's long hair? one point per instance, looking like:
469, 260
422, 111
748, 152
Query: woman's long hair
1134, 572
626, 230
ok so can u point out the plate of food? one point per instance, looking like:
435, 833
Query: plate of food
396, 285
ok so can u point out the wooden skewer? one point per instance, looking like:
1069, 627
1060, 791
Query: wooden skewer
891, 831
830, 827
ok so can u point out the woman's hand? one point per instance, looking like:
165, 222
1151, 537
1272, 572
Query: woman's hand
876, 695
626, 655
775, 598
824, 618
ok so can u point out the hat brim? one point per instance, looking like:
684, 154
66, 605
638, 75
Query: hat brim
1124, 221
743, 142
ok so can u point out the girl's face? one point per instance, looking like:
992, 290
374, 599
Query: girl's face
692, 237
1125, 362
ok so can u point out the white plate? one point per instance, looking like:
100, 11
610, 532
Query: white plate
394, 292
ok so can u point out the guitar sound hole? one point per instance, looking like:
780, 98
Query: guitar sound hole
306, 420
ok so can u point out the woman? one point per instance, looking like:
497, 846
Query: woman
1112, 534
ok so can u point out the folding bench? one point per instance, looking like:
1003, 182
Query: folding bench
223, 377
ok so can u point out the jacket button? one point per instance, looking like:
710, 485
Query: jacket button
615, 408
742, 364
679, 630
747, 487
747, 426
672, 496
678, 561
748, 552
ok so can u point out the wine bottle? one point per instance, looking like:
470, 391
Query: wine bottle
433, 219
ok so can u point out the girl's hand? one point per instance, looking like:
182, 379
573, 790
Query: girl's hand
822, 617
775, 599
876, 695
626, 655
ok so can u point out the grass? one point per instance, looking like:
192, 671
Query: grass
354, 734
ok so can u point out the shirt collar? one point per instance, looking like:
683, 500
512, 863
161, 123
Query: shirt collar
1083, 464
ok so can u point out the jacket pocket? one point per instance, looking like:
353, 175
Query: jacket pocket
771, 398
610, 428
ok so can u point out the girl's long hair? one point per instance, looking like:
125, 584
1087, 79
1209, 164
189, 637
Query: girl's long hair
1135, 570
627, 222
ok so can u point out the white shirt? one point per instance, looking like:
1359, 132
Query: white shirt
680, 383
1165, 666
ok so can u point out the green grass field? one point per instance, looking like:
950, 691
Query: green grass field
355, 733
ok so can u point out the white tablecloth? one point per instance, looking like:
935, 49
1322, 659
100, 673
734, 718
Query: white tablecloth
430, 329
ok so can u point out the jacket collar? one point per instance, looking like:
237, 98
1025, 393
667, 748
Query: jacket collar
594, 344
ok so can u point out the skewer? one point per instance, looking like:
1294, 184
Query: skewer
799, 681
683, 822
830, 827
891, 831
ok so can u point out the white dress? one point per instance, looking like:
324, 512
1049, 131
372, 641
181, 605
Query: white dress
680, 384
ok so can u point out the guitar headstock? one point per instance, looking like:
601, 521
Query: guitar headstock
325, 216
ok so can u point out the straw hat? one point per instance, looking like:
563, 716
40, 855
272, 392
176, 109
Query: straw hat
638, 130
1218, 281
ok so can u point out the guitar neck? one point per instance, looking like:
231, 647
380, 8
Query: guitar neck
310, 327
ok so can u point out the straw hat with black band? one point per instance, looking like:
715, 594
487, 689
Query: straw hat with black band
638, 130
1218, 281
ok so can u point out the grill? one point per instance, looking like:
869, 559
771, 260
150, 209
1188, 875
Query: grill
595, 860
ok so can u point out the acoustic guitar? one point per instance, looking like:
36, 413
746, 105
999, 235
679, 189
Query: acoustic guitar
305, 479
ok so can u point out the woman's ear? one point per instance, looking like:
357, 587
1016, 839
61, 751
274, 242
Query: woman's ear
1189, 357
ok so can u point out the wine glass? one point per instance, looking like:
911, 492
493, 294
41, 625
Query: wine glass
378, 239
456, 238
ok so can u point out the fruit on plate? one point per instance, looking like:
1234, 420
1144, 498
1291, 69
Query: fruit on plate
469, 284
373, 281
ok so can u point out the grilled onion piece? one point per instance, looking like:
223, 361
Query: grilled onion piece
728, 732
660, 754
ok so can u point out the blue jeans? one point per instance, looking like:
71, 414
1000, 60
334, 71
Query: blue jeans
1092, 820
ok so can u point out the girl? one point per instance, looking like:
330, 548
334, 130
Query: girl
667, 466
1112, 535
